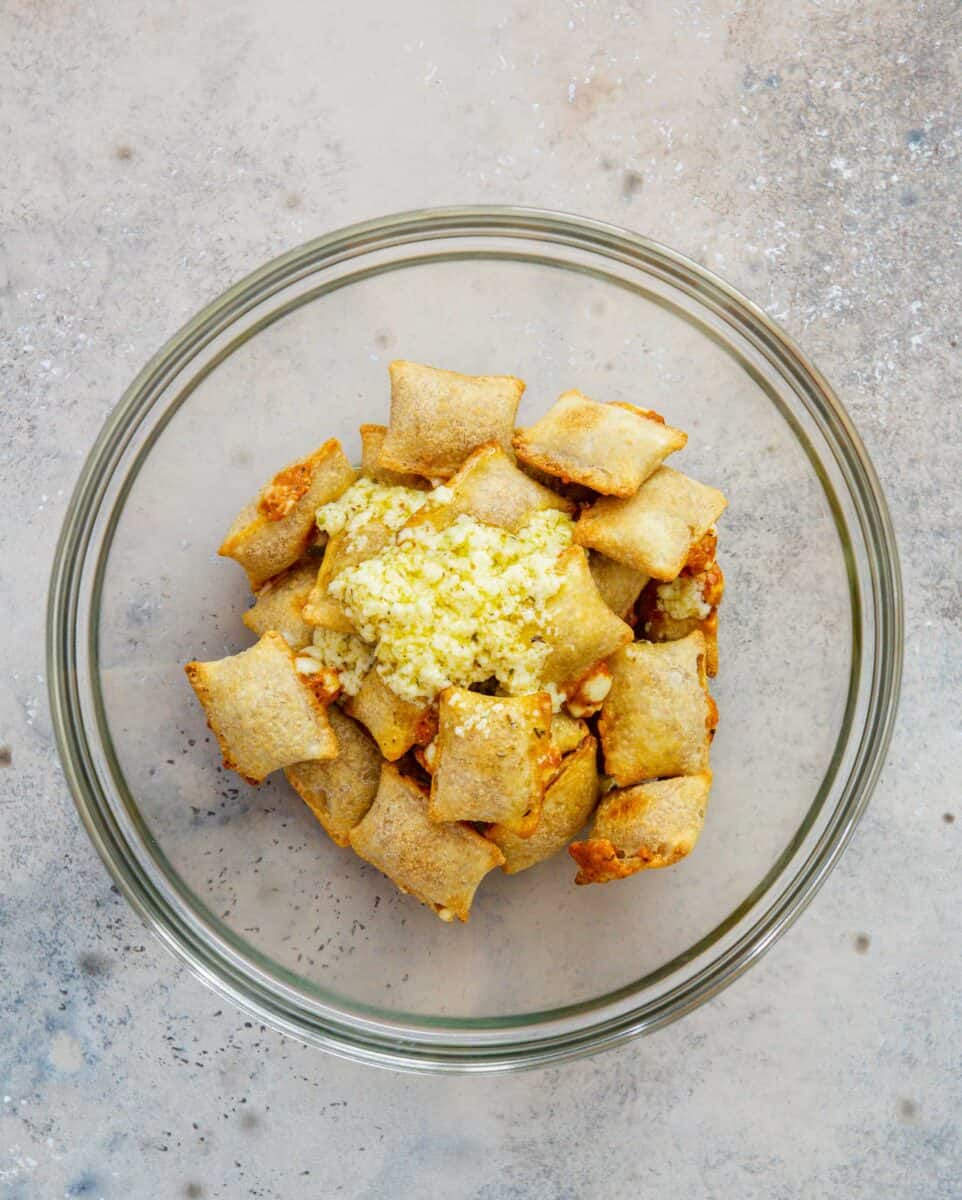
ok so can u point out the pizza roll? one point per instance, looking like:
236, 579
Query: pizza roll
580, 628
264, 714
658, 717
320, 610
372, 439
610, 448
567, 732
655, 529
441, 865
272, 533
279, 605
568, 803
619, 585
492, 489
651, 825
492, 757
438, 417
340, 791
669, 611
395, 724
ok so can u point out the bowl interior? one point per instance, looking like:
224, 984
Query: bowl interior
252, 863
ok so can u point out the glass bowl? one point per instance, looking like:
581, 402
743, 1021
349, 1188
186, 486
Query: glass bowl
241, 883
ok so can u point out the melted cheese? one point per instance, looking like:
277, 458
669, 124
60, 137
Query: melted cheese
682, 599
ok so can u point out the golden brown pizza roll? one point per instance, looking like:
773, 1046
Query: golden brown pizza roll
493, 754
651, 825
279, 605
272, 533
567, 732
669, 611
490, 488
372, 440
568, 803
438, 417
395, 724
580, 628
264, 714
340, 791
658, 717
610, 448
655, 529
619, 585
441, 865
322, 611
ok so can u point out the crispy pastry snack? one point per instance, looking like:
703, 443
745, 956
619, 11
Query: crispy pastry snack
568, 803
279, 605
372, 442
273, 532
441, 865
650, 825
567, 732
340, 791
492, 759
658, 717
263, 712
610, 448
395, 724
619, 585
580, 628
438, 417
655, 529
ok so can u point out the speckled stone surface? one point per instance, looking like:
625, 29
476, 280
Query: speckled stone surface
809, 153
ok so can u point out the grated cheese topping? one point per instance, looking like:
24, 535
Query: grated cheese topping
344, 652
459, 605
366, 501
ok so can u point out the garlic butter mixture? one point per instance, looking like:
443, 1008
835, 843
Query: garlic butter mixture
367, 501
344, 652
454, 606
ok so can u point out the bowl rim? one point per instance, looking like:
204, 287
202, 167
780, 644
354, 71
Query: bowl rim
530, 1048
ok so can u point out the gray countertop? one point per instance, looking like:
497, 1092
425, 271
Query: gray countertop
807, 152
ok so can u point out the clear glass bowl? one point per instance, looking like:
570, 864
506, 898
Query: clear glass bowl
241, 883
